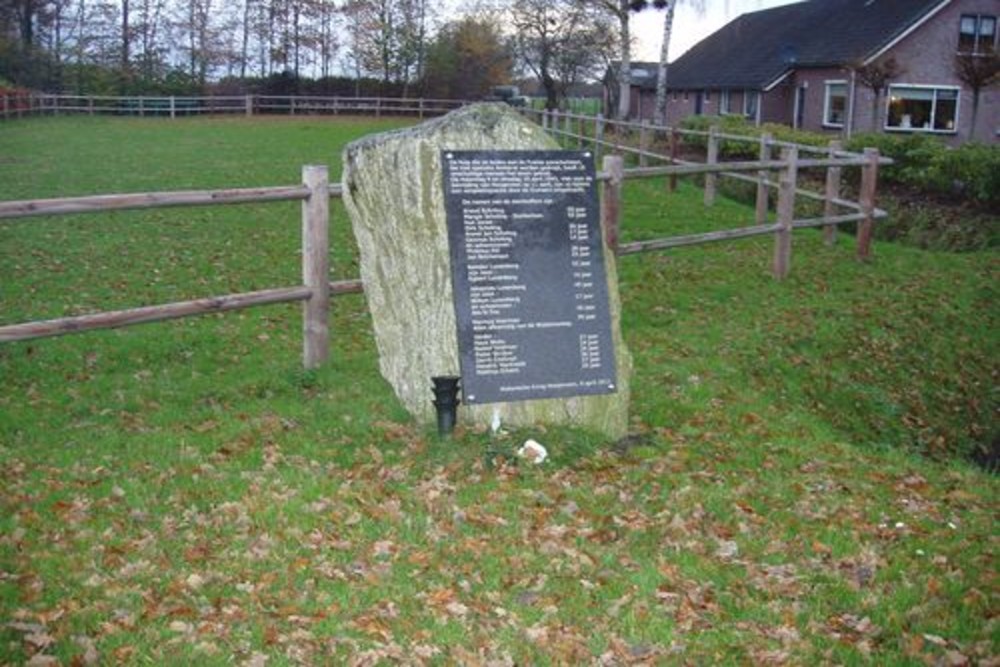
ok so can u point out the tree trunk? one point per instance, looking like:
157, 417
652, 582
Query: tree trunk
876, 93
126, 47
661, 73
27, 24
296, 36
245, 48
625, 71
975, 113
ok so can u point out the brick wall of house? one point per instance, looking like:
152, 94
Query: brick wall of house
814, 82
778, 105
926, 58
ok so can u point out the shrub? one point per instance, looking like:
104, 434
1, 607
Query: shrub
972, 170
925, 162
738, 125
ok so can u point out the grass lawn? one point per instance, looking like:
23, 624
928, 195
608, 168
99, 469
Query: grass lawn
183, 493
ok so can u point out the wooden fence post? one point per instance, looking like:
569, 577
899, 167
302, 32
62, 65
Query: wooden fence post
173, 107
316, 266
90, 106
869, 182
420, 109
248, 109
675, 148
567, 127
763, 191
786, 212
581, 128
142, 106
711, 157
554, 125
644, 144
611, 201
832, 192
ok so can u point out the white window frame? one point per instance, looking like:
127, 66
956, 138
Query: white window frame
725, 104
924, 86
749, 94
977, 36
827, 86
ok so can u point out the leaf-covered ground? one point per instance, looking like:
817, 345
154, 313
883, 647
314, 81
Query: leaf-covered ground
182, 493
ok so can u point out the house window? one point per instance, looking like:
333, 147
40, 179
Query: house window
725, 105
835, 104
922, 109
751, 98
977, 33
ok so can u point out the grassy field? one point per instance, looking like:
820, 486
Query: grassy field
184, 493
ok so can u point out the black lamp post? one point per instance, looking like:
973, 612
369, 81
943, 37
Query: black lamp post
446, 401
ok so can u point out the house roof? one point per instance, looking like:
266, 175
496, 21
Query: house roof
757, 49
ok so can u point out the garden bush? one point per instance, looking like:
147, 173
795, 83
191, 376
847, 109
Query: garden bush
921, 161
949, 196
739, 125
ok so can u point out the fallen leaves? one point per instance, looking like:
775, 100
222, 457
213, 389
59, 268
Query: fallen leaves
276, 557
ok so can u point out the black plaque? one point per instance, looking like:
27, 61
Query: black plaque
527, 261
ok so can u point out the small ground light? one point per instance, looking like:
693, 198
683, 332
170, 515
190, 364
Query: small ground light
446, 402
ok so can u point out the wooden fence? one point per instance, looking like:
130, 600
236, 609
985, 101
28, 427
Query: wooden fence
16, 105
629, 138
314, 192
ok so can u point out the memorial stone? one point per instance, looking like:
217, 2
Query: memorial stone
394, 191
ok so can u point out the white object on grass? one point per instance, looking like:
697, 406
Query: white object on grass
533, 451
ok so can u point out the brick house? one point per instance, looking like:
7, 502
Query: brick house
840, 67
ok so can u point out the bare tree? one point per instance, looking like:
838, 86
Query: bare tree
327, 42
660, 112
354, 15
201, 26
560, 42
978, 71
876, 76
146, 30
621, 11
413, 28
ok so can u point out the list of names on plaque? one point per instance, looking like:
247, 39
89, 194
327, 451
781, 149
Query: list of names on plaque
531, 297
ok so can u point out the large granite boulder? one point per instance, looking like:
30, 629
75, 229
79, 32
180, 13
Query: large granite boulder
394, 194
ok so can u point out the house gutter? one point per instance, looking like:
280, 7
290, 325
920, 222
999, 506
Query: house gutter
849, 127
784, 75
903, 35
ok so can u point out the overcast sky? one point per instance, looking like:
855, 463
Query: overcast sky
690, 26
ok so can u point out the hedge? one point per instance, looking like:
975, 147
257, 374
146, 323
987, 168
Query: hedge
971, 171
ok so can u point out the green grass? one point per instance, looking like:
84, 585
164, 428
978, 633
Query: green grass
183, 492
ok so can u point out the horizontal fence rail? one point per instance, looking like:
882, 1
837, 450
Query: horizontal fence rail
618, 138
315, 292
315, 191
173, 106
97, 203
